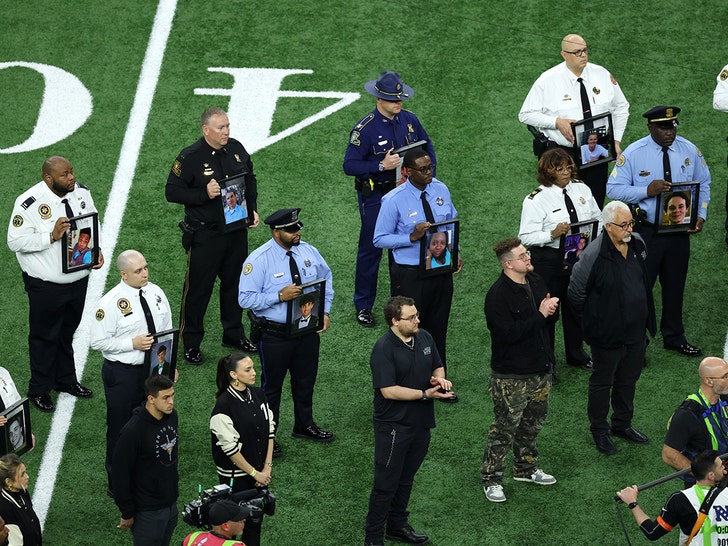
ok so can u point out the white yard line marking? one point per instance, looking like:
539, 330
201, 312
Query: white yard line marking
152, 64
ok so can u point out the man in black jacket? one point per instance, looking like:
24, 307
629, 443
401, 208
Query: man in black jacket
144, 468
518, 309
609, 286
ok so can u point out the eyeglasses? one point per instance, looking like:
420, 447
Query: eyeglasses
413, 318
578, 52
566, 168
624, 225
424, 170
523, 257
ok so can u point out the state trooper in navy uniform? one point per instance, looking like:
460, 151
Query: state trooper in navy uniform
267, 285
39, 220
213, 251
370, 159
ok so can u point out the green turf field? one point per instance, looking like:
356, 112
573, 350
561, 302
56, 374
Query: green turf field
471, 64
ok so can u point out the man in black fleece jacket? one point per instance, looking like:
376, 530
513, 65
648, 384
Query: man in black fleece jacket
144, 467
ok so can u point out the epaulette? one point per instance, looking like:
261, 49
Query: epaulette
29, 201
81, 186
364, 121
578, 180
535, 193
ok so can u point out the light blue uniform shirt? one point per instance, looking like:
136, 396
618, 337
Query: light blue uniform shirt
267, 271
641, 163
401, 210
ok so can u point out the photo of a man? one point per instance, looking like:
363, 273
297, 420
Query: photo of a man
15, 433
160, 365
676, 208
81, 254
233, 210
307, 304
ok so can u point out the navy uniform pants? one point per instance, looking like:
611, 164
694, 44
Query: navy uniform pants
368, 256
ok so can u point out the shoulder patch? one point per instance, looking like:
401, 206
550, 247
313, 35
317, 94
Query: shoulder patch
700, 154
29, 201
100, 315
621, 160
82, 186
177, 167
17, 220
614, 82
44, 211
534, 193
248, 269
723, 75
354, 139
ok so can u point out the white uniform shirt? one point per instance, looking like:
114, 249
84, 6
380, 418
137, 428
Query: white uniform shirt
34, 216
556, 94
720, 95
120, 318
544, 209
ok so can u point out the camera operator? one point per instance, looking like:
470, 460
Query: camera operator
227, 520
687, 508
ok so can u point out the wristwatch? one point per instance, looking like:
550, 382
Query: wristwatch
381, 166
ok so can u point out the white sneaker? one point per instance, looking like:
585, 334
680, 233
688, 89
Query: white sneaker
540, 477
494, 493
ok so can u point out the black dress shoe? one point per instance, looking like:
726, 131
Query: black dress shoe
243, 344
407, 534
277, 451
77, 390
454, 399
365, 318
631, 434
685, 348
604, 443
312, 432
587, 365
193, 356
43, 402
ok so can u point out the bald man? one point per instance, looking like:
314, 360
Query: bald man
701, 421
555, 102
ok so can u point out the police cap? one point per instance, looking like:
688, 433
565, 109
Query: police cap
285, 219
663, 116
389, 86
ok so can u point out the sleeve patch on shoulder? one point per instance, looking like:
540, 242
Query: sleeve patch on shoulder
621, 161
723, 75
177, 167
29, 201
355, 138
17, 220
700, 154
248, 269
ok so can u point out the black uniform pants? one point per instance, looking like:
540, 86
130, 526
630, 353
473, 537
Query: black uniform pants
398, 453
54, 314
124, 390
667, 259
213, 255
614, 378
300, 356
549, 264
433, 299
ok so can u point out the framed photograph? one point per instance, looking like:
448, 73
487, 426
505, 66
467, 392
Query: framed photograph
161, 358
306, 312
16, 435
677, 209
439, 248
233, 204
401, 152
80, 244
594, 141
573, 244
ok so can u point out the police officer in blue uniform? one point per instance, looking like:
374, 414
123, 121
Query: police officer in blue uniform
371, 160
272, 277
213, 250
641, 174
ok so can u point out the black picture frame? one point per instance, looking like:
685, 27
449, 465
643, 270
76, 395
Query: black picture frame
401, 151
313, 294
85, 224
169, 340
236, 186
429, 264
17, 434
665, 218
603, 128
569, 243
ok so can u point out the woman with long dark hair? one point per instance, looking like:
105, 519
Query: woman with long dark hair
15, 505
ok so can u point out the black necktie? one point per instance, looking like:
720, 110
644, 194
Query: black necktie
666, 164
585, 105
428, 211
147, 313
295, 273
69, 212
573, 217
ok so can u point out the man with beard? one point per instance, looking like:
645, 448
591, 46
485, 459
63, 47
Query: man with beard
610, 289
272, 277
646, 169
39, 220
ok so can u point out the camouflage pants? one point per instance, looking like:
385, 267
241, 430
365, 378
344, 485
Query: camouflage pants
519, 410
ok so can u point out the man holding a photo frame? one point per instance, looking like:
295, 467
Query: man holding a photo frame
571, 91
39, 221
126, 319
644, 173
